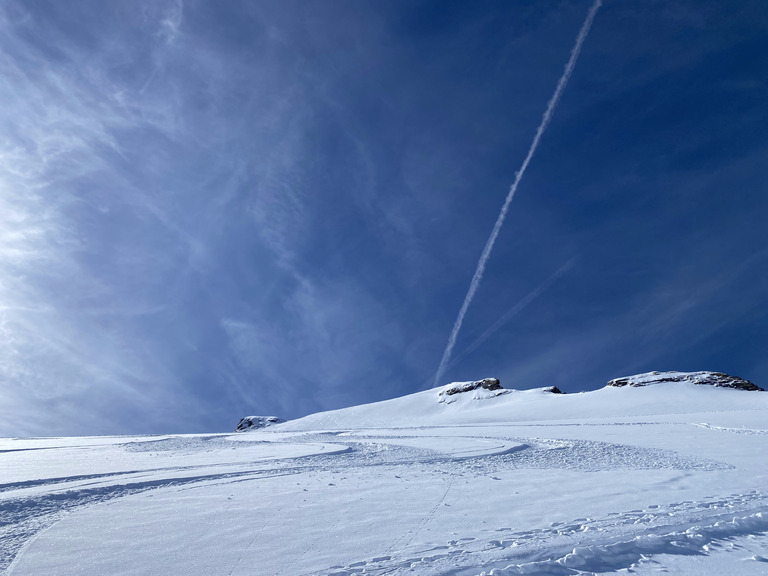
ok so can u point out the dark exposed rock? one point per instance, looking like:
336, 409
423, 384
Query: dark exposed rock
485, 383
554, 390
717, 379
483, 389
254, 422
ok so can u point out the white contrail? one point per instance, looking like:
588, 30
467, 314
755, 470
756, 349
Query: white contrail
546, 118
517, 308
508, 315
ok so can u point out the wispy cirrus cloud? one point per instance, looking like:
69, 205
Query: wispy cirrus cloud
143, 205
210, 208
62, 153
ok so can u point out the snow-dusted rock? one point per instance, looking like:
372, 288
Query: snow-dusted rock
458, 387
481, 389
717, 379
254, 422
553, 390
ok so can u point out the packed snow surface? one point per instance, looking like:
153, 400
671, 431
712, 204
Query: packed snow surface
658, 479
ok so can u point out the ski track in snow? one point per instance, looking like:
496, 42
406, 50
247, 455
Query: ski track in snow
22, 518
586, 545
746, 431
41, 503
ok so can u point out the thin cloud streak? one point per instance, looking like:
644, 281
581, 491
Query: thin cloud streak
68, 330
546, 118
517, 308
511, 313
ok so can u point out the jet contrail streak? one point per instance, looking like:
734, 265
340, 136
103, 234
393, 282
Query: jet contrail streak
509, 314
517, 308
546, 118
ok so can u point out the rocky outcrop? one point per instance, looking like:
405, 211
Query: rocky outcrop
458, 387
717, 379
553, 390
255, 422
480, 390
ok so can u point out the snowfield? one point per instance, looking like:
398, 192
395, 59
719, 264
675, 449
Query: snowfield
669, 478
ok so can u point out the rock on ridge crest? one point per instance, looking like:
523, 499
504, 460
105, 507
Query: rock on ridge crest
255, 422
717, 379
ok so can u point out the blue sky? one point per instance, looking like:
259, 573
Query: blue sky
215, 209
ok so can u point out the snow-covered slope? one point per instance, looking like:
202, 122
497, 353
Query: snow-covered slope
536, 405
670, 478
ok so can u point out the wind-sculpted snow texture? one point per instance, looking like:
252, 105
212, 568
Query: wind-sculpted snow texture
658, 479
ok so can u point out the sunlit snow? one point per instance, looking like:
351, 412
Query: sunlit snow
669, 478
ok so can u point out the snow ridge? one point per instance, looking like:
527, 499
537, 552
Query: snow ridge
717, 379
